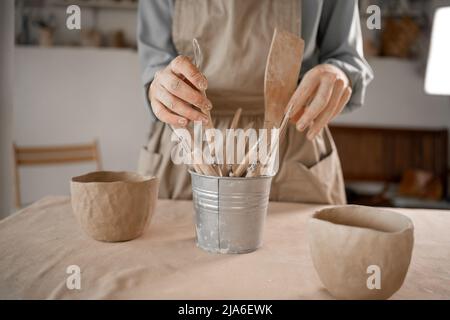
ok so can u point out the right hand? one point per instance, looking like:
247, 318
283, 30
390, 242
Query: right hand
176, 93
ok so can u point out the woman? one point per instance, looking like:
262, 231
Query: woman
235, 36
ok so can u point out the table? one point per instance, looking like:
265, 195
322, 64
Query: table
40, 242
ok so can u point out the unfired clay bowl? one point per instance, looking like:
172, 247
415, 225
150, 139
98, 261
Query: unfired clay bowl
113, 206
347, 242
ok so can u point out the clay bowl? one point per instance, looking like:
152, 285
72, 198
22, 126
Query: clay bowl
113, 206
349, 243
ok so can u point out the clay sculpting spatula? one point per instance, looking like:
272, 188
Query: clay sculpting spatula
281, 76
280, 80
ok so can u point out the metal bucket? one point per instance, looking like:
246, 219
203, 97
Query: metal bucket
230, 212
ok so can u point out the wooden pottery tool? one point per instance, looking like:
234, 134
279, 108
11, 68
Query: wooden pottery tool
199, 168
281, 77
283, 127
250, 125
280, 81
282, 74
233, 125
273, 147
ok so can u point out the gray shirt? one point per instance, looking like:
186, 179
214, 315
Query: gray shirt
331, 30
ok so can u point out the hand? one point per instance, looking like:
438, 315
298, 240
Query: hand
321, 95
176, 93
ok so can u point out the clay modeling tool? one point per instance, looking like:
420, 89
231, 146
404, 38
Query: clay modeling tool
236, 117
233, 125
200, 168
282, 132
197, 154
250, 125
280, 81
198, 59
242, 167
281, 75
254, 169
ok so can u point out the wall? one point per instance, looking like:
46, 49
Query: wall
65, 96
396, 98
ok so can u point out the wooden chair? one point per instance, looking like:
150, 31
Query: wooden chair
45, 155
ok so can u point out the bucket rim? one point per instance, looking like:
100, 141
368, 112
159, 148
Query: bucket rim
193, 173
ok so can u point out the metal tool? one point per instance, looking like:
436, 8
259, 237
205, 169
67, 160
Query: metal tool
198, 59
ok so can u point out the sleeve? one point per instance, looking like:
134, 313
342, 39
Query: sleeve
154, 38
340, 44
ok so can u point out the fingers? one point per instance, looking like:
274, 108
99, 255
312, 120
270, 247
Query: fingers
178, 106
320, 101
343, 101
333, 109
303, 94
163, 114
182, 90
182, 65
176, 89
327, 114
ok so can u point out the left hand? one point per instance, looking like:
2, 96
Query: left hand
321, 95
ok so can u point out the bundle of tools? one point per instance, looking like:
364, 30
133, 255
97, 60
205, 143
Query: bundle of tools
280, 81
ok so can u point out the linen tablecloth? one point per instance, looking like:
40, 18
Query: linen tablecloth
40, 242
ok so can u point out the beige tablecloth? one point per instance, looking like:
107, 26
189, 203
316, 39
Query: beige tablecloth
38, 243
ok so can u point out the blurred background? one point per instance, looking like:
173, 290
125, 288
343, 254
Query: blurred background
80, 90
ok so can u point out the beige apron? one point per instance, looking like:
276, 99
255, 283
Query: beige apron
235, 37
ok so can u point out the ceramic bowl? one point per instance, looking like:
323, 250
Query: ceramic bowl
361, 252
113, 206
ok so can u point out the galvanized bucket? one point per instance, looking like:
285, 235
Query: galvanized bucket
230, 212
